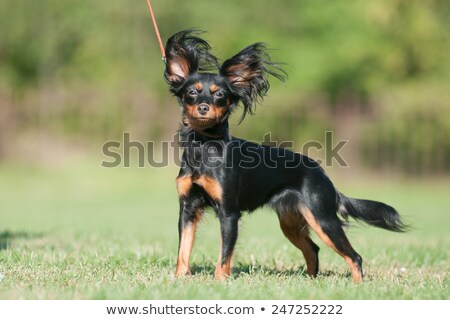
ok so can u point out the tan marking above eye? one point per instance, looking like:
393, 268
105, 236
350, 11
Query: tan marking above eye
213, 88
198, 86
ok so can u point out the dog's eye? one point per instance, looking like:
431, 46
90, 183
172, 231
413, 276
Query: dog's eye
219, 94
192, 92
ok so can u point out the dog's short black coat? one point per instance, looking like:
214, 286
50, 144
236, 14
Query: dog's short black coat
233, 175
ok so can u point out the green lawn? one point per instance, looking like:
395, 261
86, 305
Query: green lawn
86, 232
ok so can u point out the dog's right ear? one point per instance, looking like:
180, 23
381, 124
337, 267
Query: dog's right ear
186, 54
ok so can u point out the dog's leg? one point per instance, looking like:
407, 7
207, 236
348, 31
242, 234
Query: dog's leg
229, 234
187, 226
330, 230
295, 228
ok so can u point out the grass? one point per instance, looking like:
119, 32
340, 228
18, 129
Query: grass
85, 232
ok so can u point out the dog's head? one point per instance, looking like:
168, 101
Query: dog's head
209, 98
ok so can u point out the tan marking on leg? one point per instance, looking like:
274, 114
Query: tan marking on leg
219, 262
184, 252
316, 227
311, 257
186, 244
295, 228
222, 272
184, 184
357, 278
356, 274
211, 186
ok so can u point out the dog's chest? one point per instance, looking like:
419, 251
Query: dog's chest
204, 157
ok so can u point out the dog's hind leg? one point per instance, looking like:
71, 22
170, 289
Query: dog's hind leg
296, 229
329, 229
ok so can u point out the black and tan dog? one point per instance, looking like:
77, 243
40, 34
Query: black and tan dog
233, 175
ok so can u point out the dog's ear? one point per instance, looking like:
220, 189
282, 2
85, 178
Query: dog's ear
247, 75
186, 54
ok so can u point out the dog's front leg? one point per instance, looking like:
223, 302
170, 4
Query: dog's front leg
187, 226
229, 233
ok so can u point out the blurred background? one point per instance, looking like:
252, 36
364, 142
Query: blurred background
74, 74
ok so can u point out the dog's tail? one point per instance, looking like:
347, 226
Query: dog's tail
375, 213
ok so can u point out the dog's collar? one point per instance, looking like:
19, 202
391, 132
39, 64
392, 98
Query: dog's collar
209, 135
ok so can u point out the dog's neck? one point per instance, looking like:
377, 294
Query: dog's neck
198, 144
189, 133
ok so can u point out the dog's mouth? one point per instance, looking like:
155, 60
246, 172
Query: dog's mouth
199, 122
203, 119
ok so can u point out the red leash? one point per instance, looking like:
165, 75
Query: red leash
161, 46
157, 31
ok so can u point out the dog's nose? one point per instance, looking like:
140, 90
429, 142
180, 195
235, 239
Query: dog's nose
203, 109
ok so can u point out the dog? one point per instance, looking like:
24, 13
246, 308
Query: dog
232, 175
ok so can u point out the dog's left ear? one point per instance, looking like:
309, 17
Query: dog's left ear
247, 75
186, 54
